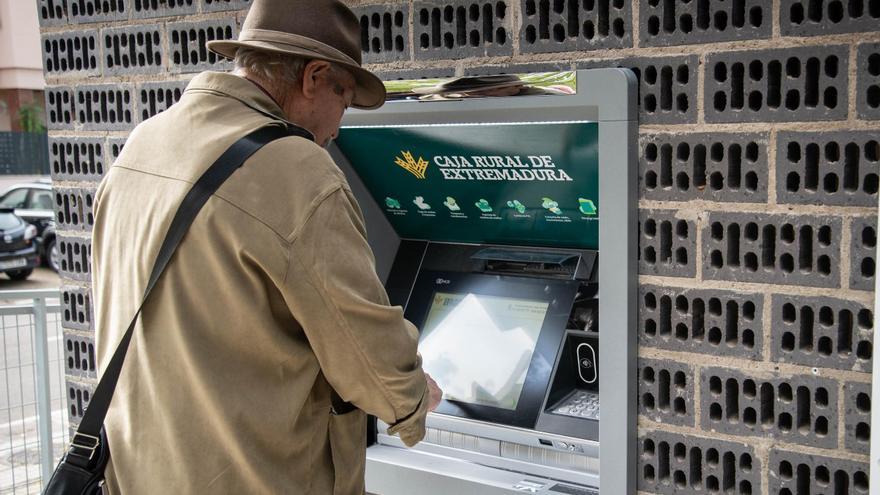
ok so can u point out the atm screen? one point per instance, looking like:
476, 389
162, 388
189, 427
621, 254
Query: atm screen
490, 341
463, 329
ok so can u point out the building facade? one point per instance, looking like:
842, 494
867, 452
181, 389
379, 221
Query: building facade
21, 67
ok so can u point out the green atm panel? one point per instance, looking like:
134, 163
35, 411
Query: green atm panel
511, 183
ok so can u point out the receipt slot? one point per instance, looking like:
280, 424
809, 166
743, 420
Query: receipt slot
506, 229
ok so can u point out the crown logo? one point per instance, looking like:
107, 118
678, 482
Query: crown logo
412, 166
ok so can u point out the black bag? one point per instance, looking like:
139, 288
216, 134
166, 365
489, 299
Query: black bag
81, 470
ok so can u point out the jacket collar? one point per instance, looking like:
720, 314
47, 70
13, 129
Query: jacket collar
237, 87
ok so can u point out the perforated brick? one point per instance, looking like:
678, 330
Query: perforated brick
672, 464
793, 409
71, 52
828, 168
81, 11
814, 17
784, 85
60, 108
215, 5
73, 208
772, 248
563, 26
141, 9
77, 158
822, 332
462, 28
105, 107
863, 253
868, 79
857, 421
706, 166
667, 86
188, 44
78, 397
667, 245
482, 70
709, 322
76, 308
79, 356
76, 257
666, 391
154, 98
114, 147
135, 49
795, 473
685, 22
52, 12
384, 32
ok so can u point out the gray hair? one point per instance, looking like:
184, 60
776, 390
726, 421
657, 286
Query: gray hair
279, 70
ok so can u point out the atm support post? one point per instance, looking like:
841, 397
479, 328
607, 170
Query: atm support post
605, 96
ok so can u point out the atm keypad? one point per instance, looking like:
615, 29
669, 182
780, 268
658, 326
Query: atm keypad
580, 404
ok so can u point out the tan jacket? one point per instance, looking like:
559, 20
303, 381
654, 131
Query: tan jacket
271, 296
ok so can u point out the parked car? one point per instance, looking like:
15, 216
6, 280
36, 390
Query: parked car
33, 201
18, 246
48, 248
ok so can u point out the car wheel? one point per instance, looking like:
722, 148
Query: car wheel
19, 275
53, 255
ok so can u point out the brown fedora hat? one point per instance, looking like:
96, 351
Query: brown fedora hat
312, 29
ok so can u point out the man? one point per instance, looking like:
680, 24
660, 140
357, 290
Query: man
271, 301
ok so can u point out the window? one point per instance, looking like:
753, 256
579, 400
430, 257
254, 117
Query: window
14, 199
40, 200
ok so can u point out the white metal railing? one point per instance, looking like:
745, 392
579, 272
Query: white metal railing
33, 415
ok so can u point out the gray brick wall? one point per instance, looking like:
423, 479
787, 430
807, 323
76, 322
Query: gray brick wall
708, 166
858, 417
758, 169
77, 159
684, 22
793, 472
672, 464
822, 332
868, 87
668, 244
666, 391
79, 355
704, 321
798, 409
794, 84
574, 26
827, 168
773, 249
385, 34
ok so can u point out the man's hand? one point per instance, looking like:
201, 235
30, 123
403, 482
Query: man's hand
434, 393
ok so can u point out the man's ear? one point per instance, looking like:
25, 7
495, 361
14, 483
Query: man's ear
313, 72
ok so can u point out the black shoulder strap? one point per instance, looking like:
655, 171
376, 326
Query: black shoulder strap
86, 438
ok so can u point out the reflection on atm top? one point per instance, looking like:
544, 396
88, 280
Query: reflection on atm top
547, 83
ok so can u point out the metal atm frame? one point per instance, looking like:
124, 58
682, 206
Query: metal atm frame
605, 96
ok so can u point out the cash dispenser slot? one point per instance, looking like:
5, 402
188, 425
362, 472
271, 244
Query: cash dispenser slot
538, 263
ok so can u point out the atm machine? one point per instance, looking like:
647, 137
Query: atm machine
506, 229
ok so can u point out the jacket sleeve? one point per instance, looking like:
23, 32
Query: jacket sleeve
366, 349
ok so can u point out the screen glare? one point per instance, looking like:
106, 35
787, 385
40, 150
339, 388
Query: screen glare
478, 348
